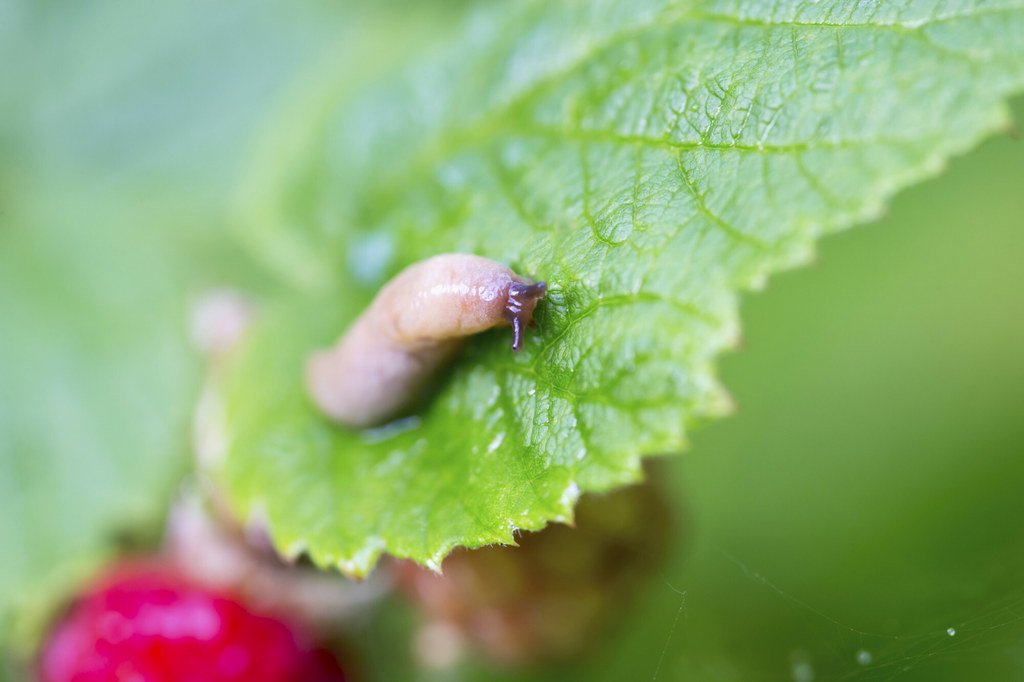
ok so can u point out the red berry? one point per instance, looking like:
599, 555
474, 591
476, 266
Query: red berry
146, 623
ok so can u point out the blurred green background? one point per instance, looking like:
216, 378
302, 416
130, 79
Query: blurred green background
866, 498
860, 517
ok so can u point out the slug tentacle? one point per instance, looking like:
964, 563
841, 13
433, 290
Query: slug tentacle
522, 299
412, 328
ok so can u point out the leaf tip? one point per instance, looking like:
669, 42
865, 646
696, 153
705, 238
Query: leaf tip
351, 568
567, 502
295, 549
359, 564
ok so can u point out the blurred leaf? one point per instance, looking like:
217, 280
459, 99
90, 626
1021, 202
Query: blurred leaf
649, 161
95, 385
120, 129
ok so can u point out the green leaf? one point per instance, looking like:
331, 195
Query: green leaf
118, 139
649, 160
96, 380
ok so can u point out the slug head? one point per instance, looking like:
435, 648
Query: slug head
522, 299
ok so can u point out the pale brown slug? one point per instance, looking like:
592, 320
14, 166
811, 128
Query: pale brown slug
414, 325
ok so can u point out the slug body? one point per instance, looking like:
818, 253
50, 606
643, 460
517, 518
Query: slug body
411, 329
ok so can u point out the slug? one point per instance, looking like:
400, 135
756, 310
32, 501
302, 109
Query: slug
412, 328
